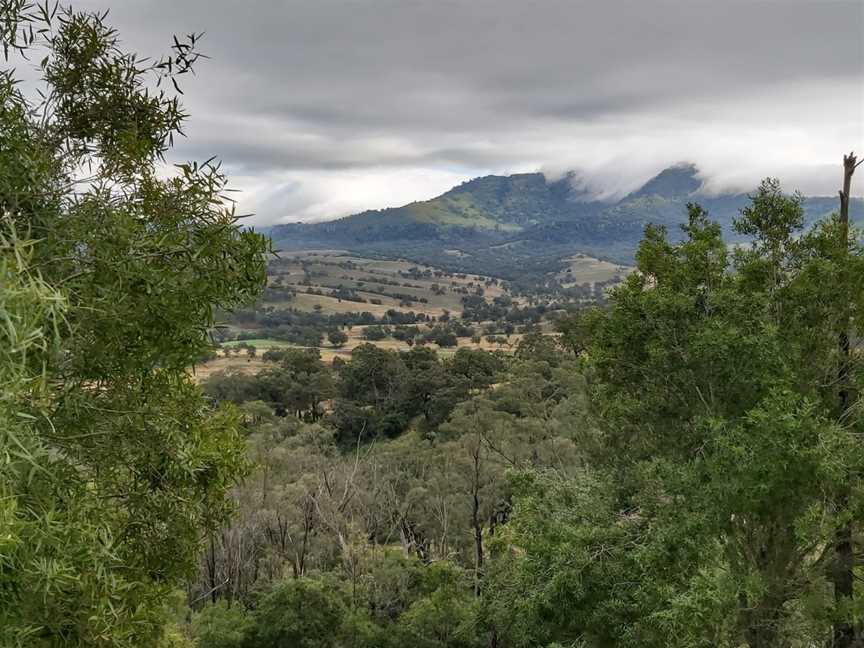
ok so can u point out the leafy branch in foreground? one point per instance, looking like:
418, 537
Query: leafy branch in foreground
114, 466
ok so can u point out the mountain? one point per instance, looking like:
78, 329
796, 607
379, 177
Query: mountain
522, 225
677, 181
489, 204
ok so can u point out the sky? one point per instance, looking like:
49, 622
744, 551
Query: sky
322, 108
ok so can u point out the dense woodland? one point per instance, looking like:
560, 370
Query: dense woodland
680, 466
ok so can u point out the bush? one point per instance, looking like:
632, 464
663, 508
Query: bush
337, 338
221, 625
300, 613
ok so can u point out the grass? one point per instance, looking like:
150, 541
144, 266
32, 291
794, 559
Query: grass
586, 269
330, 305
258, 343
240, 364
462, 213
330, 270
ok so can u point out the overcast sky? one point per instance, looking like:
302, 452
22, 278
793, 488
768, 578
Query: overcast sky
320, 108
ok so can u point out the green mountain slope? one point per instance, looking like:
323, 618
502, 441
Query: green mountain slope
523, 225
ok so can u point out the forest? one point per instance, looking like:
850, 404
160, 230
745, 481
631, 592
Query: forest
678, 464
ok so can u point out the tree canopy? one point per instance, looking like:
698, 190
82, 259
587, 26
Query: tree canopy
113, 265
680, 467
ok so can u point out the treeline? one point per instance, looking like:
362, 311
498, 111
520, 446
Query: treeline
303, 328
501, 309
500, 316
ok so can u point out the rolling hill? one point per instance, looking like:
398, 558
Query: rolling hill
523, 226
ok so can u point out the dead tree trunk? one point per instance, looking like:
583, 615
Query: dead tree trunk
844, 562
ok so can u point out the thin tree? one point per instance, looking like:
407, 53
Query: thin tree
843, 576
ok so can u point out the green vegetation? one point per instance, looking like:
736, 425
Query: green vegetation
678, 470
112, 466
723, 473
523, 228
682, 466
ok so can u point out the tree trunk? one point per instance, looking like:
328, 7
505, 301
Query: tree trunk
476, 522
211, 569
842, 574
493, 638
762, 628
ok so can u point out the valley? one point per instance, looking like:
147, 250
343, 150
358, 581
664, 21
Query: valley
608, 408
393, 304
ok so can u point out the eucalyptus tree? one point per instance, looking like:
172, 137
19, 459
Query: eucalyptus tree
722, 469
113, 465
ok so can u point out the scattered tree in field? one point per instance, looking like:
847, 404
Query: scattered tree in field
376, 333
337, 338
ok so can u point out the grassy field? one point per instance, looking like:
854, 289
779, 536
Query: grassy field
585, 269
329, 305
241, 362
258, 343
399, 285
458, 210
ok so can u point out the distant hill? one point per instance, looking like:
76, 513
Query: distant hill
523, 225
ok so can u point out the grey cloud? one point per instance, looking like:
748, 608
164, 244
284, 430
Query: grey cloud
504, 85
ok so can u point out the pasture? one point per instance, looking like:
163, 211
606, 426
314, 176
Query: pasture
583, 269
240, 361
332, 281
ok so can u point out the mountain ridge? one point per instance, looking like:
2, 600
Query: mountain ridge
537, 222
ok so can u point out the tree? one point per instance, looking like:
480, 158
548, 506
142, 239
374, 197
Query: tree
299, 384
476, 470
443, 619
373, 377
844, 571
375, 333
337, 338
713, 381
119, 465
302, 613
221, 625
231, 387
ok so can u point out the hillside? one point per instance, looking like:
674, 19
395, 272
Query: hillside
494, 224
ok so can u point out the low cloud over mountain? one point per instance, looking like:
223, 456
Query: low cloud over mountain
324, 108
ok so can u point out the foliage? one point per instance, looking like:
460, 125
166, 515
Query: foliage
724, 468
398, 523
522, 227
221, 625
337, 338
112, 464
